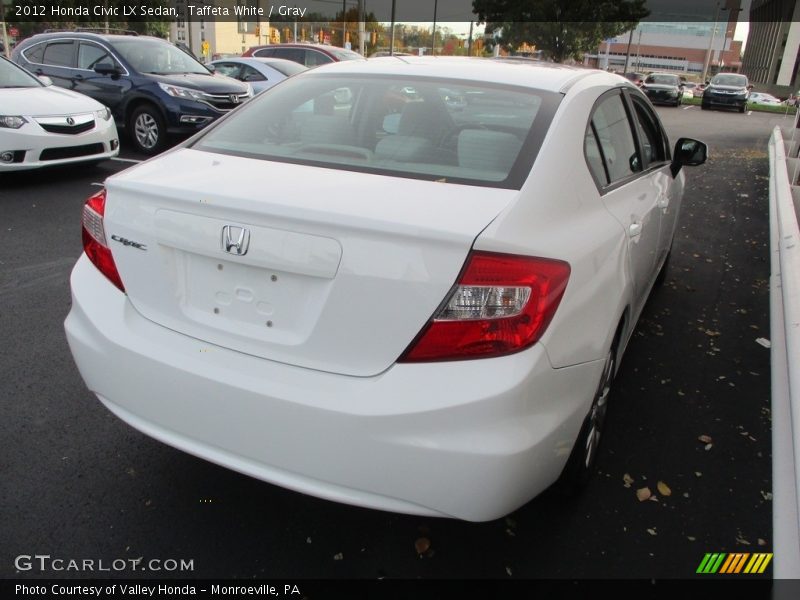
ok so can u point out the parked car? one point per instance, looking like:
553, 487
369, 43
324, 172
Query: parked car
727, 90
153, 88
309, 55
635, 78
260, 73
42, 125
663, 88
764, 99
436, 295
688, 89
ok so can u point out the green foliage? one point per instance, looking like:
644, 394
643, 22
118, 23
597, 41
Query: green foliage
562, 29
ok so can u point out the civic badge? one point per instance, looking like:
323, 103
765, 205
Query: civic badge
235, 240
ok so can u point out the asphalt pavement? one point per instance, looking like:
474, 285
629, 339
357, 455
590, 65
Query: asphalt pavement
689, 420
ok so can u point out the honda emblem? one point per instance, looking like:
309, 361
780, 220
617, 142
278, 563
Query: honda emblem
235, 240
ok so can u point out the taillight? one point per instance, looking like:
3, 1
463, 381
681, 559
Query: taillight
501, 304
94, 238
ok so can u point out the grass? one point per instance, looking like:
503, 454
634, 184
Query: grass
782, 109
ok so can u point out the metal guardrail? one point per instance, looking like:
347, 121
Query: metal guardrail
784, 204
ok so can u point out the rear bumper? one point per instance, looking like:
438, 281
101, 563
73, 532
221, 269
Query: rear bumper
473, 439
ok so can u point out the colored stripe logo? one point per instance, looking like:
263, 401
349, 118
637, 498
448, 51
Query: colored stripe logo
734, 563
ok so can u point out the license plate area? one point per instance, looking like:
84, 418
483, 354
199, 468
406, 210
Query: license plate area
246, 301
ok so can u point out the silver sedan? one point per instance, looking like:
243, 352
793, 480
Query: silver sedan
261, 73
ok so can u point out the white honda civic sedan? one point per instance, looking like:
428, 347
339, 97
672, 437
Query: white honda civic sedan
369, 296
42, 125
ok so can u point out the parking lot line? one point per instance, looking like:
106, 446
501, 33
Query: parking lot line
130, 160
97, 184
688, 107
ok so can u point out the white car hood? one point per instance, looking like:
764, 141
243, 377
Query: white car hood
45, 101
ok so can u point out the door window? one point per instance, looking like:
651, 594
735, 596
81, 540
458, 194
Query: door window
250, 74
228, 69
614, 136
650, 134
314, 58
91, 55
60, 54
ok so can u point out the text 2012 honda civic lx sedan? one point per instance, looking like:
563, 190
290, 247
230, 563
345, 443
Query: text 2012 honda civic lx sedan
361, 293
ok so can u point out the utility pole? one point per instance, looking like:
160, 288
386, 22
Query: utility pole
433, 37
391, 38
628, 53
362, 33
469, 41
638, 49
344, 22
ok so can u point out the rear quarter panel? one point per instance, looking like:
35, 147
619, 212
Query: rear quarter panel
559, 214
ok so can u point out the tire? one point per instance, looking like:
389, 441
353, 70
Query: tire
581, 462
743, 108
662, 274
703, 106
147, 131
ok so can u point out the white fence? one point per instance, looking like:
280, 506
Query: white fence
784, 203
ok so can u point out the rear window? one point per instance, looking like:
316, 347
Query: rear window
444, 130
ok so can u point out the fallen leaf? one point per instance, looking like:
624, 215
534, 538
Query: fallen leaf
663, 489
338, 556
643, 494
762, 542
627, 480
708, 447
741, 540
691, 538
422, 545
764, 342
652, 531
508, 570
706, 439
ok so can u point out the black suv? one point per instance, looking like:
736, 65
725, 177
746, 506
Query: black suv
730, 90
152, 87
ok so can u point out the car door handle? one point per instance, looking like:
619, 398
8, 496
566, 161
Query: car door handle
663, 203
634, 229
78, 76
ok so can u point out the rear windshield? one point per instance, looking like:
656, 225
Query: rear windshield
423, 128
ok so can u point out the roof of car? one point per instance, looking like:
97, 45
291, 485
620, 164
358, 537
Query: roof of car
532, 74
108, 37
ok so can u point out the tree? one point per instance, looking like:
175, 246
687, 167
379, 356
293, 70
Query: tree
562, 29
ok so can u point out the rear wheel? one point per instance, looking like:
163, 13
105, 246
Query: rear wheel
742, 108
584, 454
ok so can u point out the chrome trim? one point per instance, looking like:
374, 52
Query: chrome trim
79, 119
235, 240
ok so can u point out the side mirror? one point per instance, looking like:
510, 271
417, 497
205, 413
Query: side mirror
45, 80
750, 87
106, 68
688, 152
211, 68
